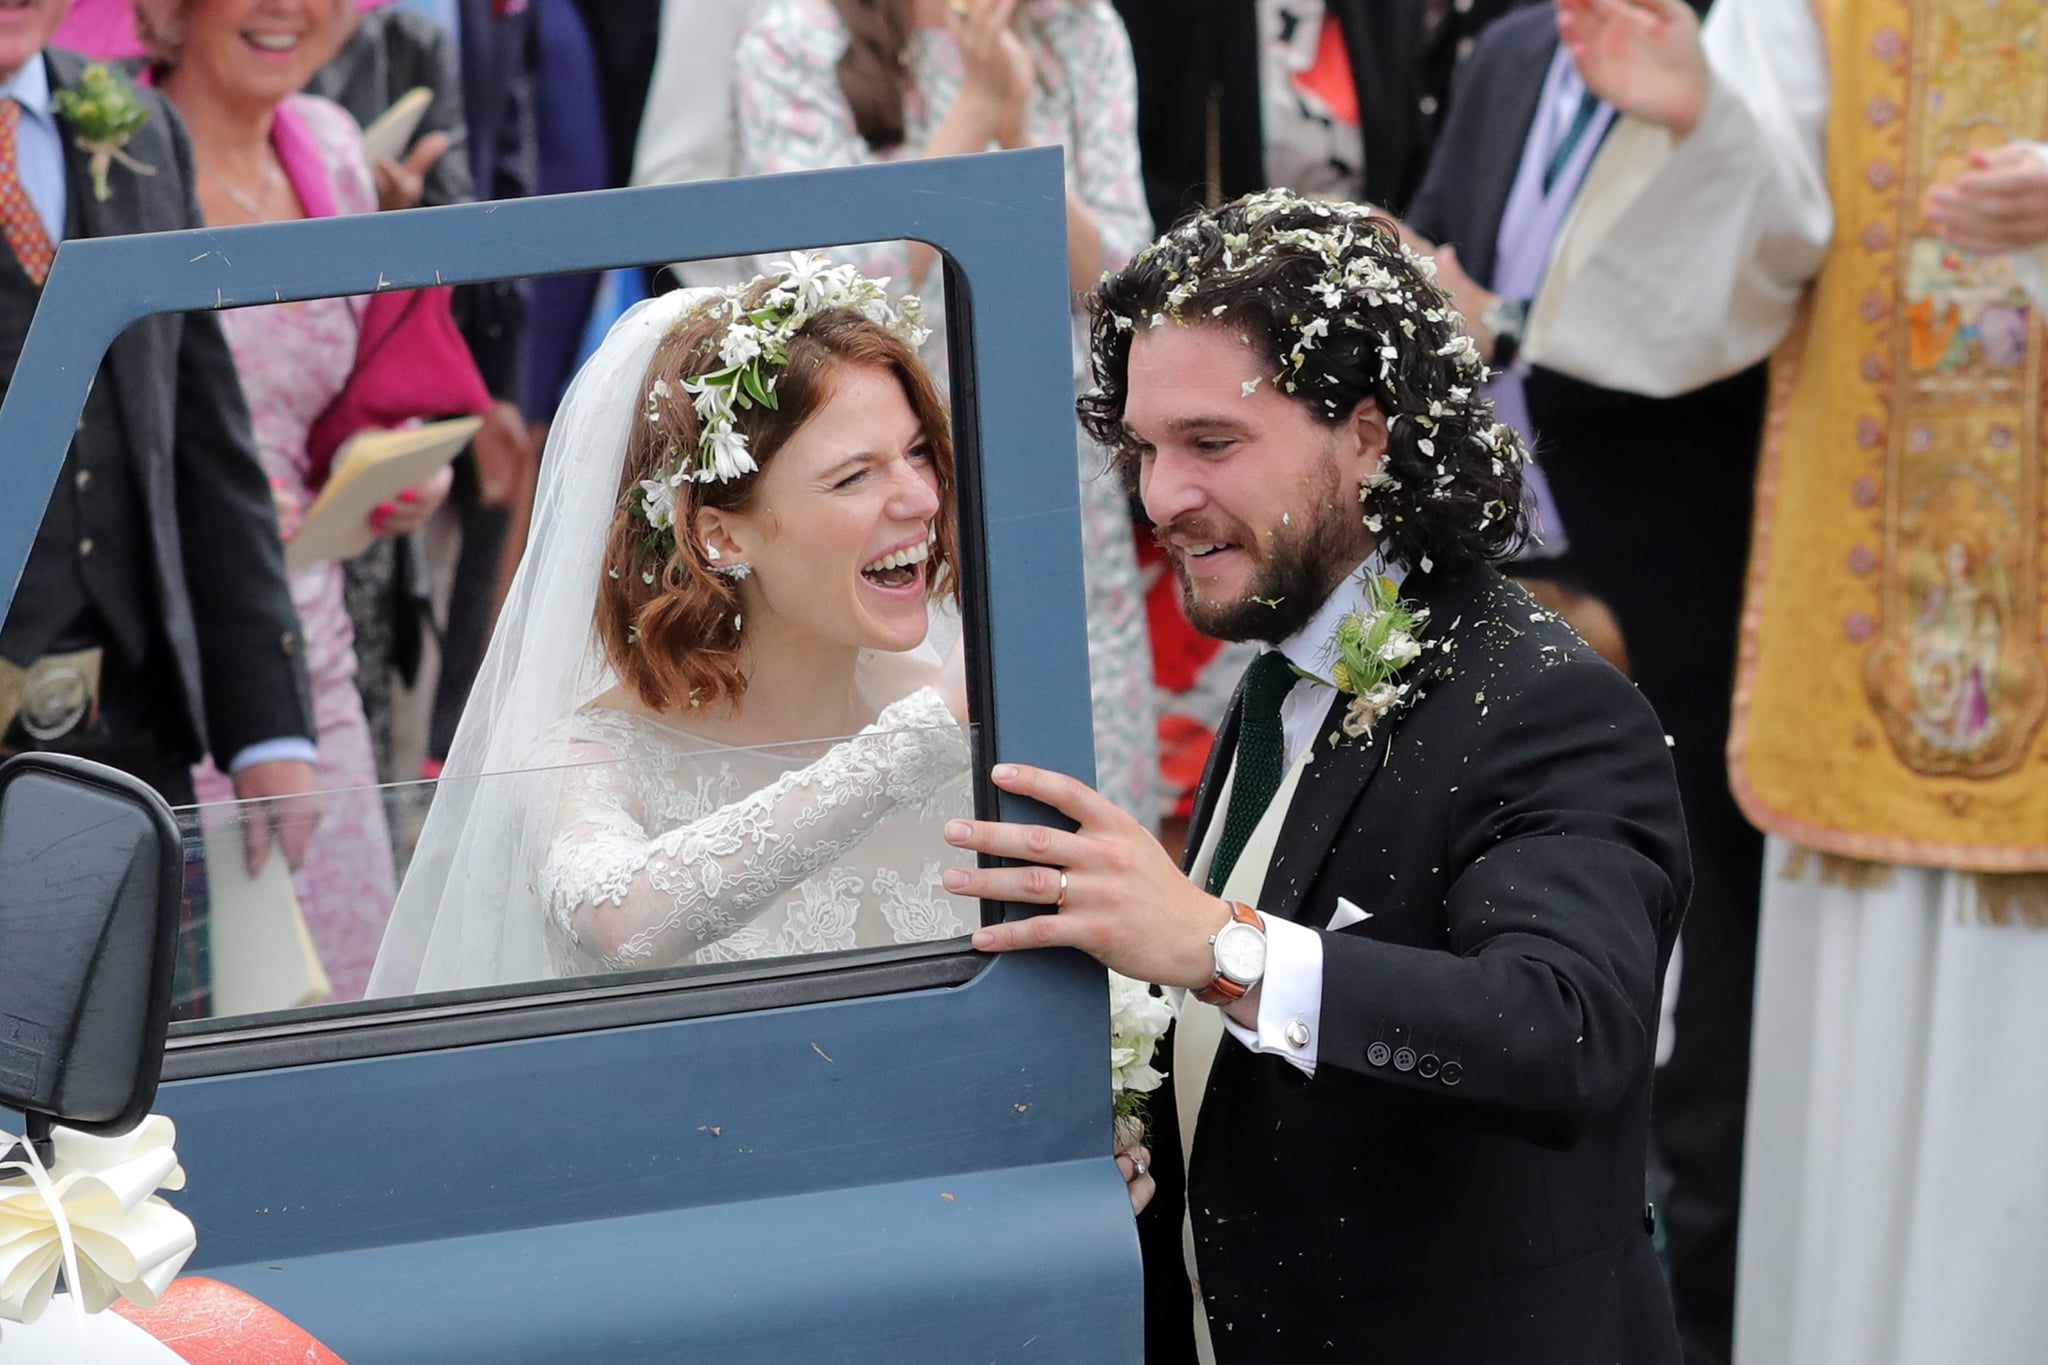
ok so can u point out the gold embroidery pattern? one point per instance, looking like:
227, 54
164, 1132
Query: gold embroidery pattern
1893, 683
1954, 677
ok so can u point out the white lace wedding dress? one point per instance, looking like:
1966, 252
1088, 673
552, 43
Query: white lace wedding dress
665, 848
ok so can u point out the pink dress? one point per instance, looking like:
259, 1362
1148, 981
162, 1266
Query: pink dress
293, 358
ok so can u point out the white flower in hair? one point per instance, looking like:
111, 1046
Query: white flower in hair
728, 458
658, 503
741, 344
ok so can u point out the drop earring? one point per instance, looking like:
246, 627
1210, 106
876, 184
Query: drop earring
736, 572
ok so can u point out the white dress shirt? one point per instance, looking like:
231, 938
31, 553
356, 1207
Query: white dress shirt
1291, 992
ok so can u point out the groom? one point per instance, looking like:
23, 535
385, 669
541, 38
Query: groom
1438, 857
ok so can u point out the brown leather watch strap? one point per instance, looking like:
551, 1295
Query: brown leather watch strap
1221, 990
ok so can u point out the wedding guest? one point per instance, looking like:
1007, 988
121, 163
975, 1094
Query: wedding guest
1506, 172
265, 153
1439, 859
390, 52
828, 83
159, 549
1322, 96
1860, 192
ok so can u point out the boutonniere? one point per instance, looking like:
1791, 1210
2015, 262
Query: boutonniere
105, 113
1372, 645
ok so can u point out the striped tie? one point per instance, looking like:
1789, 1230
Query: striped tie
19, 221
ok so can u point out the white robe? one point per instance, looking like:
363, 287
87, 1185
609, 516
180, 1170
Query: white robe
1895, 1196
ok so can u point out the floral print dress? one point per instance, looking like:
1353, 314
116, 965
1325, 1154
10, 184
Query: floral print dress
790, 115
292, 359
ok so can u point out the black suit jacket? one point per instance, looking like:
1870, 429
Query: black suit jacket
1472, 169
1462, 1180
1187, 50
227, 616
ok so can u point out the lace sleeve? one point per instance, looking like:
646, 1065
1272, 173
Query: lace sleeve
630, 897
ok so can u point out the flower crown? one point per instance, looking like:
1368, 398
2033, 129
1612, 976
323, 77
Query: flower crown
753, 350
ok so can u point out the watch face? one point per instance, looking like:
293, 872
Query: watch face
1241, 953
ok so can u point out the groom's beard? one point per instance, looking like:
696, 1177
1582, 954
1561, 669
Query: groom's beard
1301, 565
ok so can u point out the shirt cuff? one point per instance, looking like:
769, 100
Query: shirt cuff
1290, 996
288, 749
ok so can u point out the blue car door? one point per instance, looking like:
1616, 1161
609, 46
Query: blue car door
895, 1154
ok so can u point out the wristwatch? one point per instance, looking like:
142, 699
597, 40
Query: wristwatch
1240, 948
1505, 319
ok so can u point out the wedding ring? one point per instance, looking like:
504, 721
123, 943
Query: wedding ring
1061, 899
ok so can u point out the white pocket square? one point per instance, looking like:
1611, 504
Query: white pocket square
1348, 915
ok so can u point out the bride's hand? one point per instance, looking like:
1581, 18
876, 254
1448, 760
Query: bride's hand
1135, 1162
952, 680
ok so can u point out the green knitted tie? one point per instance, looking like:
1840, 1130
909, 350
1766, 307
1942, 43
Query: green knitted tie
1261, 754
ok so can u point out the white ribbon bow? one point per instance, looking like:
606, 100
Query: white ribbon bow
93, 1213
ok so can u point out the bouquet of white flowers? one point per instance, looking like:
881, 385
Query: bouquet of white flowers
1138, 1019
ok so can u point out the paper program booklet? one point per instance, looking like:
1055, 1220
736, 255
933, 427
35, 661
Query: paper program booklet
372, 467
390, 133
263, 956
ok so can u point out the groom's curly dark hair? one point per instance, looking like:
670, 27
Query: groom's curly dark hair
1269, 266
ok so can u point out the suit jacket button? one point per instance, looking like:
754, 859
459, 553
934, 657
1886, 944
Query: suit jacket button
85, 548
289, 642
83, 480
1379, 1054
1452, 1073
1427, 1065
1404, 1059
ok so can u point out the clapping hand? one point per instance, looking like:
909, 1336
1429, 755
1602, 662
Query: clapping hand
997, 69
401, 184
1641, 56
1999, 204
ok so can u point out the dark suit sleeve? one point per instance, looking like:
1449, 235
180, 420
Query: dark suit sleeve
251, 660
1572, 872
1447, 183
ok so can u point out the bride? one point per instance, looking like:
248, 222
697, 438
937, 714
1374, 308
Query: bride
745, 517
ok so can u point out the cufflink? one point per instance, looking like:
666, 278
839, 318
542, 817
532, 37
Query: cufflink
1296, 1033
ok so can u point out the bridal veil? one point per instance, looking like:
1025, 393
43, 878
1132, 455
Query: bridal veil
468, 913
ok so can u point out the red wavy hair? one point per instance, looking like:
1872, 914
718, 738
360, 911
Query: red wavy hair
672, 639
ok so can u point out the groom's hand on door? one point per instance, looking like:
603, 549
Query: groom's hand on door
1125, 902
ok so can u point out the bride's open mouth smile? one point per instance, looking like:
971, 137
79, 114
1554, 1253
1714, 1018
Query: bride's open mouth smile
901, 570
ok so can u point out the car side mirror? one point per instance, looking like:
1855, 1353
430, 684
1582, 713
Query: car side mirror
91, 869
